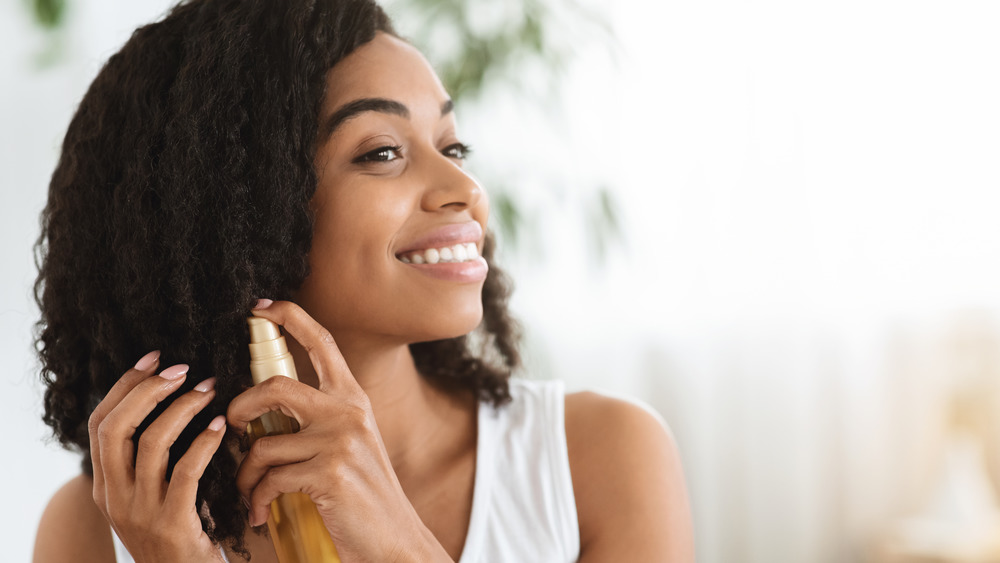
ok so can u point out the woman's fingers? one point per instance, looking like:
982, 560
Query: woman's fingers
156, 440
277, 481
183, 488
142, 370
115, 432
282, 394
331, 368
268, 452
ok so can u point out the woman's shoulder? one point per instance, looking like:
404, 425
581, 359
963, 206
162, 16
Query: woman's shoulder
614, 413
72, 528
604, 431
628, 481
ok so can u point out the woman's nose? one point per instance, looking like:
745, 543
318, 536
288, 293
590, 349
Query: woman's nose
449, 185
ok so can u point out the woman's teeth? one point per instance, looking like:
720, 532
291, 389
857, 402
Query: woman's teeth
458, 253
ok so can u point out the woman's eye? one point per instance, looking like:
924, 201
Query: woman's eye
460, 151
381, 154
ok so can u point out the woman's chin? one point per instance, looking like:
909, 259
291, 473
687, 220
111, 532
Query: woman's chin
453, 328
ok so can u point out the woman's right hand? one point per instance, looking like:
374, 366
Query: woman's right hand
155, 519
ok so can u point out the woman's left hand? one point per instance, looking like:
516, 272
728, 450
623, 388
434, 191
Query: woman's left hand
337, 457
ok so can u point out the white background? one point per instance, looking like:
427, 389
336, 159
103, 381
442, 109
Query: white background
810, 193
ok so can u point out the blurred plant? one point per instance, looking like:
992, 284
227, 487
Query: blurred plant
484, 46
49, 13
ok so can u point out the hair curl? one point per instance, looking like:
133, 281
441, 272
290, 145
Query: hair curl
182, 195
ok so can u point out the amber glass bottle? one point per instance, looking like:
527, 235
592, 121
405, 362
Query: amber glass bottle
297, 530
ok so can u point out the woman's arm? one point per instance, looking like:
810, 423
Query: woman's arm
72, 528
628, 482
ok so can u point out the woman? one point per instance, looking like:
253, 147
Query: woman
242, 151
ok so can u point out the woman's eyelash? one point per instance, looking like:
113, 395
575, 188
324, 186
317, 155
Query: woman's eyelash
381, 154
460, 151
388, 153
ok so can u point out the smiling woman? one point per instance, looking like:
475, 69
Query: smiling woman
238, 152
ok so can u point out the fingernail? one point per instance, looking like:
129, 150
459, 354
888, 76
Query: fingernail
147, 361
174, 372
217, 423
263, 304
206, 385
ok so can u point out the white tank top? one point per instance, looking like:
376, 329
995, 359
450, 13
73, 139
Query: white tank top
523, 508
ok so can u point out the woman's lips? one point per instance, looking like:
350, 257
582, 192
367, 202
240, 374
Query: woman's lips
449, 252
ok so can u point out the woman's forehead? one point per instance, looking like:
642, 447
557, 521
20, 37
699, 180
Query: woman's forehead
385, 67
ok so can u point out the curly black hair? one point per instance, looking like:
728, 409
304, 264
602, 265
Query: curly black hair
182, 195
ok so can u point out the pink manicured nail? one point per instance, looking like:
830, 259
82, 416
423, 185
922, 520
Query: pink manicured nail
263, 304
174, 372
217, 423
206, 385
147, 361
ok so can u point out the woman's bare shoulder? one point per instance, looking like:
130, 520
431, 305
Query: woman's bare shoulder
72, 527
628, 481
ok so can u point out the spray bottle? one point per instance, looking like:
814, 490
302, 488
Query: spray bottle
297, 530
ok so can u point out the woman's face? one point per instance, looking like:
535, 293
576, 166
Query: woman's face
392, 193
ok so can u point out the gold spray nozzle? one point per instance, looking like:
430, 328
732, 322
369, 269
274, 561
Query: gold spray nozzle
262, 330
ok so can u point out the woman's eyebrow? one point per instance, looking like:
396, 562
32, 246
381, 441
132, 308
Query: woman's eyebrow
383, 105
